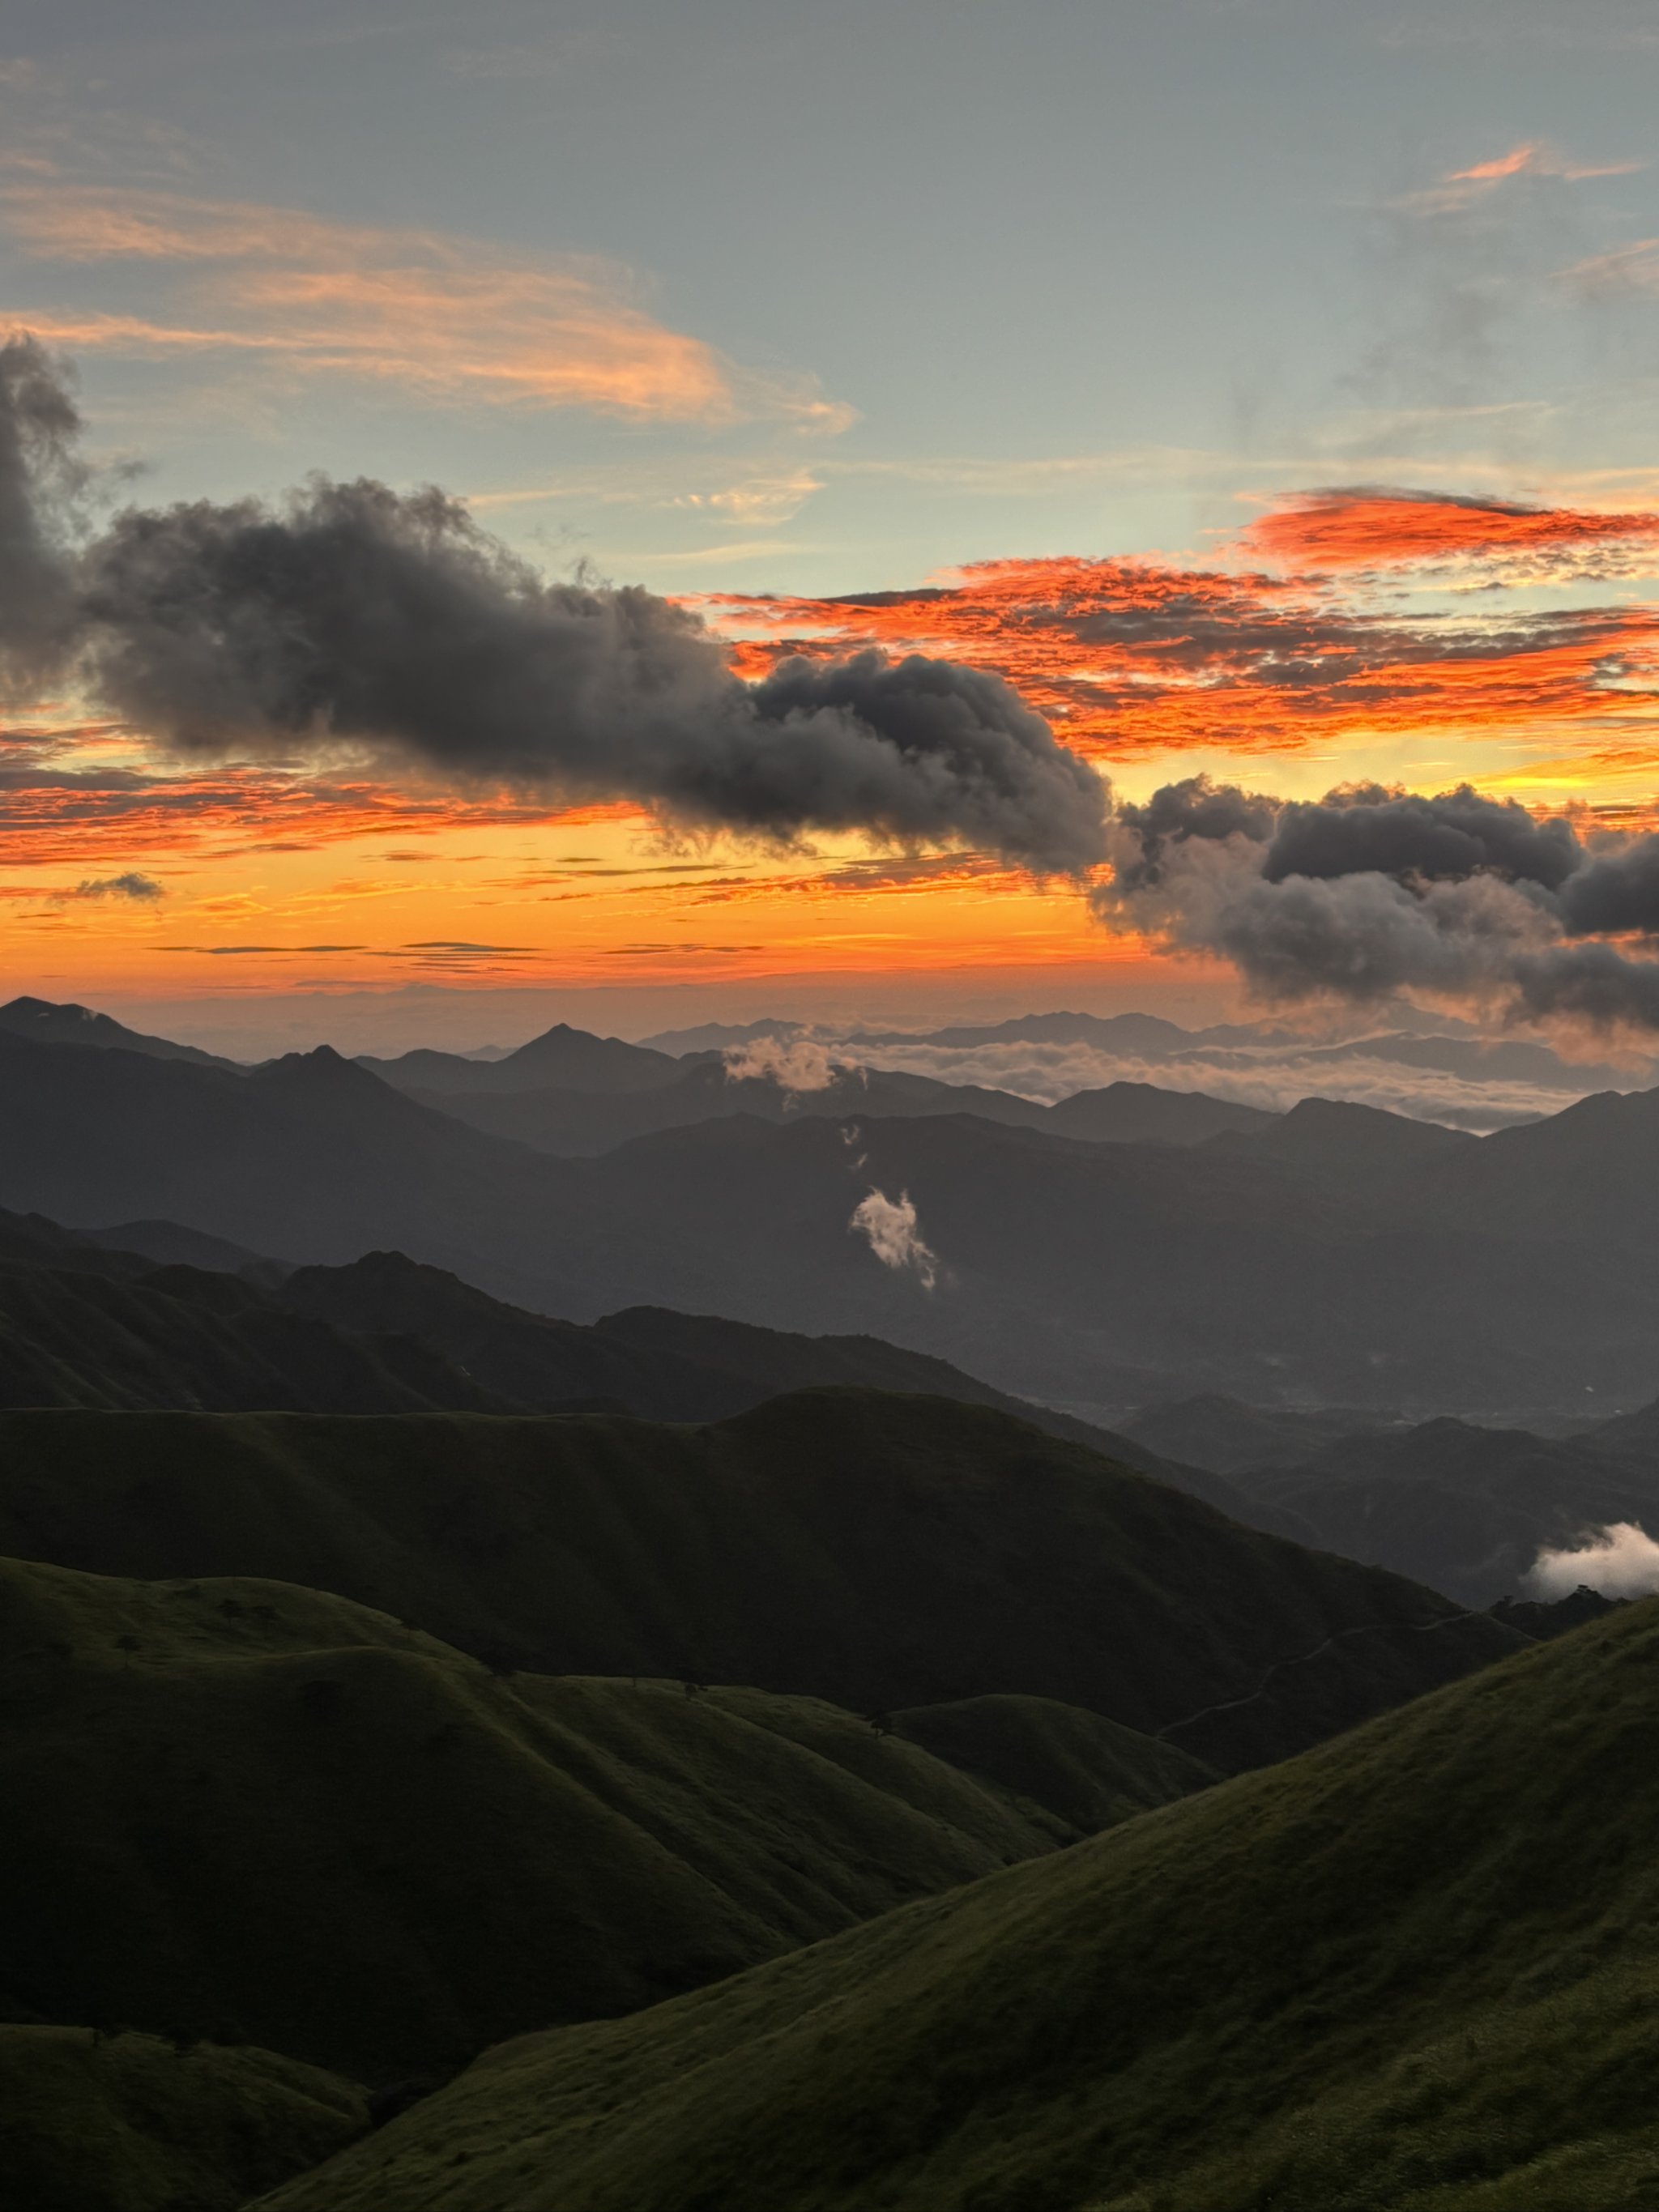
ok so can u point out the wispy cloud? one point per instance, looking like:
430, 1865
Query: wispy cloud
1633, 267
1462, 188
444, 315
142, 890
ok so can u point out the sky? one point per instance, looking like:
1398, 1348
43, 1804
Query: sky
1265, 391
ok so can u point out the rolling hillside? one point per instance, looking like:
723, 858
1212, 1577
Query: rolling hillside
128, 2123
82, 1324
252, 1812
875, 1550
178, 1336
1415, 1971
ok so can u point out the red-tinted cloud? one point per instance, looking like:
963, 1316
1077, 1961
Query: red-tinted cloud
1131, 657
57, 815
1327, 532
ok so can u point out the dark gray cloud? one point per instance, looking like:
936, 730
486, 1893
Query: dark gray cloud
1366, 937
1370, 892
143, 889
1615, 891
1443, 839
1593, 984
1175, 812
355, 618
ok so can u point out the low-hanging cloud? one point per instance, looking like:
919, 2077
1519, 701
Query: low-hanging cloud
895, 1234
799, 1064
1620, 1560
1274, 1075
352, 620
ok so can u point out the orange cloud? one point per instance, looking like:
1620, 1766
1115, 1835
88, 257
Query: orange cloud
448, 316
1131, 657
1460, 188
1368, 527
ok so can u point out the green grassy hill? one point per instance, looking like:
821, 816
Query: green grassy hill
247, 1811
1084, 1773
1415, 1971
876, 1551
92, 2123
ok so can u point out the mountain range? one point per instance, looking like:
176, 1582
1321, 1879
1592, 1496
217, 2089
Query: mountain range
548, 1677
1339, 1254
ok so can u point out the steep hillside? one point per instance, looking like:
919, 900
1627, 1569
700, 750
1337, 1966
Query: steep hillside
84, 1326
1415, 1971
1591, 1169
875, 1550
1086, 1771
256, 1813
96, 2123
181, 1337
668, 1366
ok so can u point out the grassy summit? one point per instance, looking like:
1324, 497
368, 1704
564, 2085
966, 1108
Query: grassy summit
253, 1812
1416, 1970
129, 2123
878, 1551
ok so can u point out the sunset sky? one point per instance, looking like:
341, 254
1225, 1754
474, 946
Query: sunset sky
1268, 389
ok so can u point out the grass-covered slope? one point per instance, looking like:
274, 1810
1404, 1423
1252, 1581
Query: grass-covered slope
247, 1811
880, 1552
659, 1363
181, 1336
84, 1325
1085, 1772
1415, 1971
93, 2122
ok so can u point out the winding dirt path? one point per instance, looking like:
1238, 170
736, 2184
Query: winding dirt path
1302, 1658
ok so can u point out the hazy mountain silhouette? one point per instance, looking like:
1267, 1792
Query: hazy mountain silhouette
1467, 1509
1508, 1271
41, 1022
561, 1058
